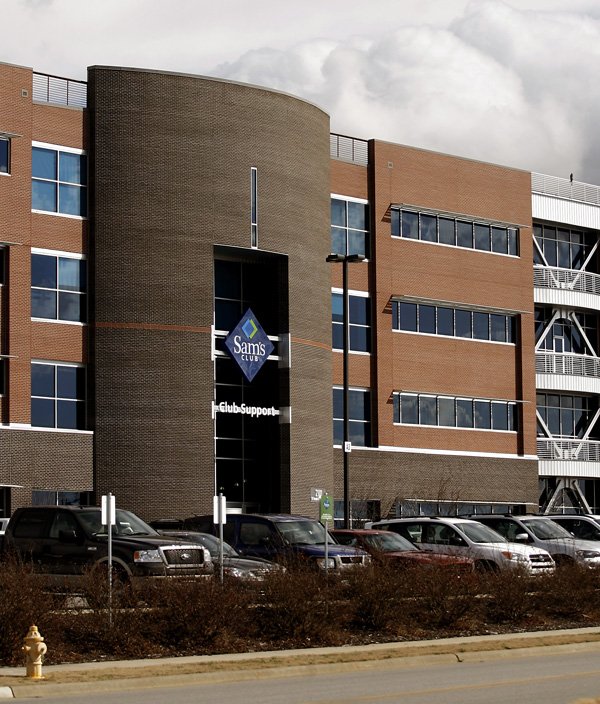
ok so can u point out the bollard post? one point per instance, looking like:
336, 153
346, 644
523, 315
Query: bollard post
34, 650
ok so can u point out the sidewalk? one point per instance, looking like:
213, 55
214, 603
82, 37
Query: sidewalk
114, 675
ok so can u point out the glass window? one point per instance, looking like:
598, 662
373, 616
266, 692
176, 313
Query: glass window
409, 409
445, 321
427, 410
498, 327
499, 415
464, 234
410, 224
428, 228
446, 231
59, 180
500, 240
408, 317
359, 416
481, 326
446, 409
349, 227
4, 155
58, 287
464, 325
359, 323
464, 412
482, 236
427, 319
57, 396
482, 414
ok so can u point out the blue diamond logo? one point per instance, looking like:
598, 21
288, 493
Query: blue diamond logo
249, 345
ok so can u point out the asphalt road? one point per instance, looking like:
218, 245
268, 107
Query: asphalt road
552, 677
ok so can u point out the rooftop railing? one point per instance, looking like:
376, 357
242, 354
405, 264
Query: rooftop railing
356, 151
566, 279
565, 188
59, 91
573, 450
568, 364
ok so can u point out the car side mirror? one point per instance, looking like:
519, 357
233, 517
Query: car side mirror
521, 538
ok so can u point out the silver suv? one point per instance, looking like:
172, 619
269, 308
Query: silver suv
584, 527
462, 536
543, 532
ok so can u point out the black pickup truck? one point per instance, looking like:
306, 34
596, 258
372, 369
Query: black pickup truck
63, 543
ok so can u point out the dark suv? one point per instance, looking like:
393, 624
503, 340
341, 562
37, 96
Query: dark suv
282, 538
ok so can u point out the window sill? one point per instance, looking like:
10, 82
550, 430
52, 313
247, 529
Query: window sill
59, 215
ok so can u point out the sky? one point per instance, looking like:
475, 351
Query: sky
513, 82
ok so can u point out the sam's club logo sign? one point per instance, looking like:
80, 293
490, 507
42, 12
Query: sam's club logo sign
249, 345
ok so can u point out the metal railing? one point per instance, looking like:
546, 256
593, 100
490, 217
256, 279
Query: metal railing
569, 364
565, 188
356, 151
572, 450
566, 279
59, 91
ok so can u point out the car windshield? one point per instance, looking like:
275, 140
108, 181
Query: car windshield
388, 542
304, 532
546, 529
479, 533
126, 523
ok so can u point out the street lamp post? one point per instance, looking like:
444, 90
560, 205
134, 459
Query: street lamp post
345, 259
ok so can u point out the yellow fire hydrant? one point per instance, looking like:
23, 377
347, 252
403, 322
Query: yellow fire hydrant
34, 650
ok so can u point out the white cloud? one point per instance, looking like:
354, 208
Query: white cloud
508, 81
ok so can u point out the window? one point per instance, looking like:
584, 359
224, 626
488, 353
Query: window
359, 416
57, 395
253, 207
452, 412
566, 415
349, 226
359, 322
561, 246
429, 319
4, 155
565, 334
444, 229
59, 181
58, 287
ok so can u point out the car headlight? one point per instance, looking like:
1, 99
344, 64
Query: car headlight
515, 556
147, 556
329, 563
587, 554
235, 572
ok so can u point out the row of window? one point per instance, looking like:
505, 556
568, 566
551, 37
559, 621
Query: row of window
564, 335
566, 415
561, 246
455, 232
453, 322
455, 412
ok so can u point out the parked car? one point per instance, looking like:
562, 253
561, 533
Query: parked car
392, 548
543, 532
62, 543
466, 537
234, 564
584, 527
291, 540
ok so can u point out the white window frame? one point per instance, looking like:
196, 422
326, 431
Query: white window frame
56, 398
60, 148
60, 255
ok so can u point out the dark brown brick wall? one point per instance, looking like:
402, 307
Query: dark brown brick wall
171, 160
396, 476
